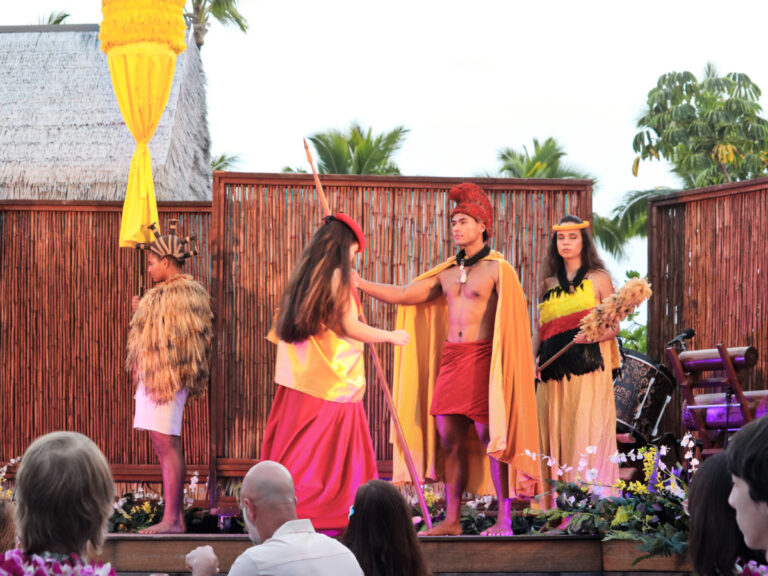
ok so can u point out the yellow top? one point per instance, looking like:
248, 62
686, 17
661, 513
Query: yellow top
512, 402
326, 365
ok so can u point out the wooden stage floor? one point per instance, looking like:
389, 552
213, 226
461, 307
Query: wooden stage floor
136, 553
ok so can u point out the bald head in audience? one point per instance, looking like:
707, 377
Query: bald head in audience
290, 547
268, 499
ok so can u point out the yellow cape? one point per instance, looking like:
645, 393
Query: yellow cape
512, 400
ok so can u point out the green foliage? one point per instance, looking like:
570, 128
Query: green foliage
634, 336
55, 18
133, 514
709, 129
610, 235
224, 161
629, 219
224, 11
357, 151
545, 162
650, 512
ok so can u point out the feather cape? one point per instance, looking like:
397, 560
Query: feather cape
169, 342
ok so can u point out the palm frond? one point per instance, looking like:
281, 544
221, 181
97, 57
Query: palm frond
226, 12
544, 162
358, 151
55, 18
609, 235
224, 161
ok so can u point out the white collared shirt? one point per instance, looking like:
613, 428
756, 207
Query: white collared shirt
295, 549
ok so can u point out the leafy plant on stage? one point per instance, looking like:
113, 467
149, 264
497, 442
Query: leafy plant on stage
137, 510
476, 514
134, 511
651, 511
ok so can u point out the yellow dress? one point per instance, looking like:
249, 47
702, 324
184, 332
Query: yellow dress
576, 406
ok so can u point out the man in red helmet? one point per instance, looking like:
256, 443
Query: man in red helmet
471, 313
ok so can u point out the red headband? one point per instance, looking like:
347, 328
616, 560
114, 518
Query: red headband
471, 200
354, 226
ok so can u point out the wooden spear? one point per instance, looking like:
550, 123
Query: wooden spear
382, 380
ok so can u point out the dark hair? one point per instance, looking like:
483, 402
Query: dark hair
310, 299
171, 259
174, 260
589, 256
748, 457
381, 533
714, 539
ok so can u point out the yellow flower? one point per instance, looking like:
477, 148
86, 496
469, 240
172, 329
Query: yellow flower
620, 485
637, 487
146, 507
649, 463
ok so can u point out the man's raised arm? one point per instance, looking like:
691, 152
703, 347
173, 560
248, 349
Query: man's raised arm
413, 293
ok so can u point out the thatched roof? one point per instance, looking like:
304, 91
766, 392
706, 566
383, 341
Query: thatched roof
62, 136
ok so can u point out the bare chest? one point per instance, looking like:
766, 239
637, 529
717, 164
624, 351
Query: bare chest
475, 283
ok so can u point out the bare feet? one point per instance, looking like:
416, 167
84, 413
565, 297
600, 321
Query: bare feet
501, 528
445, 528
164, 527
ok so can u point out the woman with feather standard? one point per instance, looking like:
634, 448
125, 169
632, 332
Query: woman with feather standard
576, 406
169, 347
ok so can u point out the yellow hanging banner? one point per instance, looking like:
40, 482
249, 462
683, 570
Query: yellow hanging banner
141, 39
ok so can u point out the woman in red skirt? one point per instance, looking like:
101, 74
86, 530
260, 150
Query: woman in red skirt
317, 427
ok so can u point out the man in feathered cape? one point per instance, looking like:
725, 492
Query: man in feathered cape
466, 374
169, 346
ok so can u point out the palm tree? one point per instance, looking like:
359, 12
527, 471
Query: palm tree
629, 219
545, 162
611, 238
357, 151
224, 161
55, 18
225, 11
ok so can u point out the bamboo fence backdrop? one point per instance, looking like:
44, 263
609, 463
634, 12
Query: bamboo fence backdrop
262, 222
707, 263
66, 289
65, 304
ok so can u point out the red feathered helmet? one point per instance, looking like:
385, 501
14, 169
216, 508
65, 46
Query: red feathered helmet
354, 226
472, 201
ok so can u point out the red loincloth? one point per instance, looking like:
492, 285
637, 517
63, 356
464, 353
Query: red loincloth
327, 448
463, 379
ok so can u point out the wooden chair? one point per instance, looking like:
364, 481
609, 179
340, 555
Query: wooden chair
716, 405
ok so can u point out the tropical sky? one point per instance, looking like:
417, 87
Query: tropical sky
467, 78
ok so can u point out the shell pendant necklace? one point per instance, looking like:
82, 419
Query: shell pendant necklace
465, 262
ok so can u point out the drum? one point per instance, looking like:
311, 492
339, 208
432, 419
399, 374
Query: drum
642, 391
